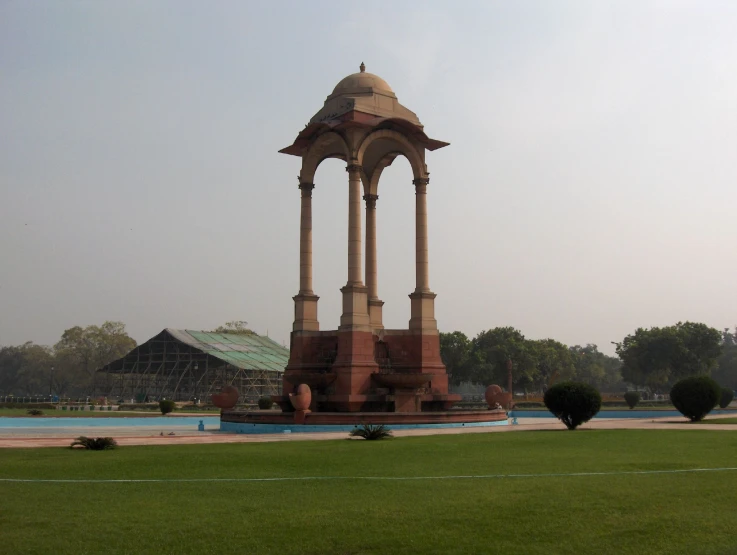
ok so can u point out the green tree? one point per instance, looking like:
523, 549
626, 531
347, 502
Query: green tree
726, 371
82, 351
236, 326
455, 350
595, 368
553, 361
492, 349
26, 369
660, 356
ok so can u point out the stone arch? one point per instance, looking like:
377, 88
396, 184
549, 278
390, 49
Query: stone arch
371, 184
391, 144
327, 145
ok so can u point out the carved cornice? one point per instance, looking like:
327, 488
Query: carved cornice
306, 189
421, 185
371, 201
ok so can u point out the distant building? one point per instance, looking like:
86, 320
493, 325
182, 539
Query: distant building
186, 365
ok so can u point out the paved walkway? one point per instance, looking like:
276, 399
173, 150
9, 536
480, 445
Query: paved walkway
184, 435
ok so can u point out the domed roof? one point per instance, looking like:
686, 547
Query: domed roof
363, 93
357, 82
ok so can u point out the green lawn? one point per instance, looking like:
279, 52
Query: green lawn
681, 513
717, 421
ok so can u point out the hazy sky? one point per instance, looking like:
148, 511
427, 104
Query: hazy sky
590, 186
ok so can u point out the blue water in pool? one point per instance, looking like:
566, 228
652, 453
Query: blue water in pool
83, 422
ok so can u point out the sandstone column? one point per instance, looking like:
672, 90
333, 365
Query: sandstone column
354, 225
422, 280
354, 362
422, 299
372, 279
355, 294
305, 240
305, 302
371, 273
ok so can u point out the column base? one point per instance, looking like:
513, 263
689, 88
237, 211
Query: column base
305, 312
376, 316
422, 315
355, 309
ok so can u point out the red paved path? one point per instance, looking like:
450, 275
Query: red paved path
143, 437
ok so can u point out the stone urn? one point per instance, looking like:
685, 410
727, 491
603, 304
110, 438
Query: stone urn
227, 398
302, 399
495, 396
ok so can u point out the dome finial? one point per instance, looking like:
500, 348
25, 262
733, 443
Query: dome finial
362, 67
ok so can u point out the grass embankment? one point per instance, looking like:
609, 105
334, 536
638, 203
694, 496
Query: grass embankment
618, 514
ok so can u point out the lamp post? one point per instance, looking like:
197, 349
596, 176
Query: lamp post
197, 381
51, 381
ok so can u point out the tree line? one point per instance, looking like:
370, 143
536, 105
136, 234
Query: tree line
536, 363
68, 367
652, 359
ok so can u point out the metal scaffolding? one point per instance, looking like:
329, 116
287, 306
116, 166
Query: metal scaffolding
185, 365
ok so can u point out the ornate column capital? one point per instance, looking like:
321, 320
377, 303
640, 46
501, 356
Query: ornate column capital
420, 184
353, 168
306, 188
371, 201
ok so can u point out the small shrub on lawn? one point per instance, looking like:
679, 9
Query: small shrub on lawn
166, 406
265, 403
94, 443
371, 431
694, 397
726, 397
573, 403
35, 412
632, 398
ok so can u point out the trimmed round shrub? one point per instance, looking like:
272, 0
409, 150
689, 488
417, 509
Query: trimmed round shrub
726, 397
573, 403
265, 403
632, 398
696, 396
166, 406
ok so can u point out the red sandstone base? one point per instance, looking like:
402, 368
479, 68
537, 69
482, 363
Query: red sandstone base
352, 418
357, 371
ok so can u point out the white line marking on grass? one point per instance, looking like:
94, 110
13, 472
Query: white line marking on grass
393, 478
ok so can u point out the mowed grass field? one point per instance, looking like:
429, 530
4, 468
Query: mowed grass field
717, 421
420, 512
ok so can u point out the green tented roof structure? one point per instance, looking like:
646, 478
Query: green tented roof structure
188, 364
239, 350
245, 351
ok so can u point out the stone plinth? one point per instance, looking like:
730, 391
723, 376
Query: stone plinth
352, 371
352, 418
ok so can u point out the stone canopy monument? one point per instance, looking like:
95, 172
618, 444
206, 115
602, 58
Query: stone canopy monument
362, 366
